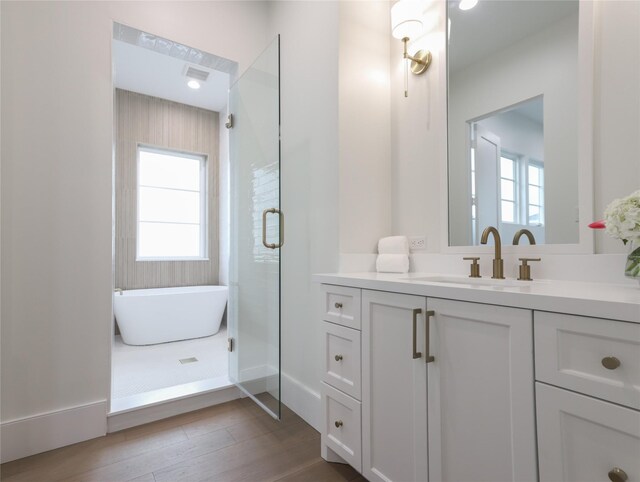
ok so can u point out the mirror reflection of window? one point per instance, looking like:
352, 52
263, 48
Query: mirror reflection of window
474, 199
536, 193
506, 168
508, 205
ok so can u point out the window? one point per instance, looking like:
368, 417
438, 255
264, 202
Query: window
521, 190
536, 193
474, 198
172, 205
508, 189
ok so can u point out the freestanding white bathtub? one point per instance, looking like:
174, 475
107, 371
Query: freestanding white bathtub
159, 315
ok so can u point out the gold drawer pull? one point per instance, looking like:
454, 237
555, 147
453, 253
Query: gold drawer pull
338, 305
338, 424
338, 357
618, 475
610, 363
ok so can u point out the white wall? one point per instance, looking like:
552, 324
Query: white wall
365, 125
518, 134
57, 107
419, 132
616, 108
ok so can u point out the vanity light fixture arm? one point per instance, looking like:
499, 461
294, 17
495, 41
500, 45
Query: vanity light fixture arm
422, 61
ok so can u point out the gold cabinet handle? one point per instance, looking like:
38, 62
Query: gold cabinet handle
416, 353
338, 357
338, 423
264, 228
338, 306
427, 358
618, 475
610, 362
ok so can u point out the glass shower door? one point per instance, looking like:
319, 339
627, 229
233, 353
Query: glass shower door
257, 231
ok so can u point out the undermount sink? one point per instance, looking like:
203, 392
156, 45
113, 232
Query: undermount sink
461, 280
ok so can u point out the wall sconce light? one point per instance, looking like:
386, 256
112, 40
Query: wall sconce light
406, 25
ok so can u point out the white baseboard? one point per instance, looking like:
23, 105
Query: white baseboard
169, 408
40, 433
302, 400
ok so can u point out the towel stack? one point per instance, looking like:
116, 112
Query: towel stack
393, 255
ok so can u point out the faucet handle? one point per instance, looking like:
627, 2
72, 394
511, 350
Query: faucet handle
475, 267
524, 270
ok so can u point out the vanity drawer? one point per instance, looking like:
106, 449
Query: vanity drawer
341, 305
584, 439
342, 430
342, 358
594, 356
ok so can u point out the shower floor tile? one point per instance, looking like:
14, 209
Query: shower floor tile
141, 369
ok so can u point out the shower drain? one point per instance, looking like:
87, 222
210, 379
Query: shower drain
188, 360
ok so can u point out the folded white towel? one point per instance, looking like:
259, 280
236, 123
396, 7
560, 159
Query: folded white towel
392, 263
394, 245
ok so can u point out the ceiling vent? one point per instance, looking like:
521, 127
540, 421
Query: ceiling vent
197, 74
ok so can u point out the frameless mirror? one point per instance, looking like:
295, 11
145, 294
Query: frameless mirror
513, 120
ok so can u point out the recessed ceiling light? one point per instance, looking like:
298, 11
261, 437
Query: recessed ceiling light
467, 4
194, 84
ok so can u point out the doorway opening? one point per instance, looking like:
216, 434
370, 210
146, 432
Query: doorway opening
171, 220
197, 224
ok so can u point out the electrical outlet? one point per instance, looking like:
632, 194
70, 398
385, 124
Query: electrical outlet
417, 243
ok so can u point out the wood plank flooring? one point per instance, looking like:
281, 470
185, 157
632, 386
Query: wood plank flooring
234, 441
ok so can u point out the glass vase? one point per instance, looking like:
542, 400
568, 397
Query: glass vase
632, 268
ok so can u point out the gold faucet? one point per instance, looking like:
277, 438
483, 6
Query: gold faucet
527, 233
498, 263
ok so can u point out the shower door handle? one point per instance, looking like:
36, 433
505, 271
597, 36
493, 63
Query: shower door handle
264, 228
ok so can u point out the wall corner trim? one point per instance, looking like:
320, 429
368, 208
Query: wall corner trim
40, 433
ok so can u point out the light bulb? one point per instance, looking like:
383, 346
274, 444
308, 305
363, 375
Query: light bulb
194, 84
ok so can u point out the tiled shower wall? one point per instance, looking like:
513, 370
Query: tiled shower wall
141, 119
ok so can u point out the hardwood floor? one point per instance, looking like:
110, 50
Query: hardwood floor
234, 441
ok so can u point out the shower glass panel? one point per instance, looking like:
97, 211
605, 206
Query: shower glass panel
257, 230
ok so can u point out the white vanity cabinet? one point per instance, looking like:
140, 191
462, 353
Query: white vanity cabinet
341, 371
394, 387
466, 415
588, 396
583, 439
480, 393
431, 383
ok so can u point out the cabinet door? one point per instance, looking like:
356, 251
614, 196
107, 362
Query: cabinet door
394, 388
481, 393
585, 439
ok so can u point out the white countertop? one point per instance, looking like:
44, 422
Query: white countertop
613, 301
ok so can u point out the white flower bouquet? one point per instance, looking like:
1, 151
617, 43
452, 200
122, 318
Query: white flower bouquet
622, 221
